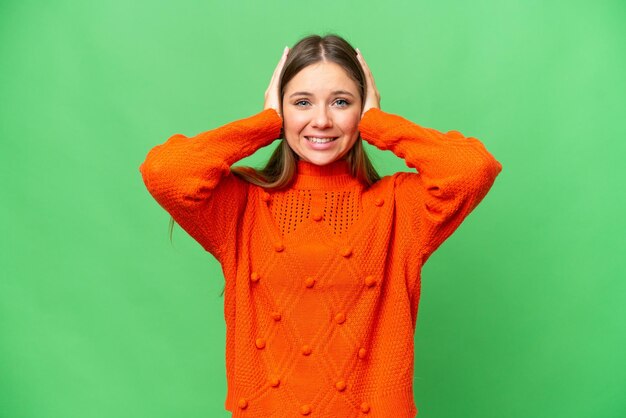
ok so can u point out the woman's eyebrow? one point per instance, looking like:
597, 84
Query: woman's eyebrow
306, 93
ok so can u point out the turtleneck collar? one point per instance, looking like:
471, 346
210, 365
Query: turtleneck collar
335, 175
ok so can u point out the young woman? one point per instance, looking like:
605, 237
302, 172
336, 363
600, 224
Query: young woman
321, 256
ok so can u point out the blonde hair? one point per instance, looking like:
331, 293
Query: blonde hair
281, 167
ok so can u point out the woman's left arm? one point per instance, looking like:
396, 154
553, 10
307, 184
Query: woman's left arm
454, 172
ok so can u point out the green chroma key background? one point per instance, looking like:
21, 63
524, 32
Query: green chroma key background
523, 310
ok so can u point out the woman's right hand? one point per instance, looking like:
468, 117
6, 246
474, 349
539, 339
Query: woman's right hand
272, 99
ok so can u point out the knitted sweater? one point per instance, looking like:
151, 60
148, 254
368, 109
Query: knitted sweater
322, 278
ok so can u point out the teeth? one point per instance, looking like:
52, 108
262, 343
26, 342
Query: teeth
319, 140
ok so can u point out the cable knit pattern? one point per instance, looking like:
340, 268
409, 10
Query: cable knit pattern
322, 278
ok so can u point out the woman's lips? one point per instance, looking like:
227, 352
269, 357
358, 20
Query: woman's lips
311, 140
320, 139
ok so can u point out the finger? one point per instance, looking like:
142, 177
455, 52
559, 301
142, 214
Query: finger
281, 64
369, 78
366, 68
278, 70
362, 60
281, 61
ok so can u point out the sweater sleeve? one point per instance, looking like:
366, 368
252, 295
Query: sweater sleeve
191, 178
454, 173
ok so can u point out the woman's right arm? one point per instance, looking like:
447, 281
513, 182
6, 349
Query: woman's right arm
191, 179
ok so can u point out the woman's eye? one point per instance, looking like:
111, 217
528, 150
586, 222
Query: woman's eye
301, 102
342, 102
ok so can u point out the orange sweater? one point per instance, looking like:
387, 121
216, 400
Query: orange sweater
323, 278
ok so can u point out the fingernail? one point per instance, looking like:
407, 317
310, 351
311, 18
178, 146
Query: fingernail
358, 52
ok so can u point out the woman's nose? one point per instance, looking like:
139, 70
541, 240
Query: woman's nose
322, 118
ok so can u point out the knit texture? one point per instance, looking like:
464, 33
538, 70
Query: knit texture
323, 277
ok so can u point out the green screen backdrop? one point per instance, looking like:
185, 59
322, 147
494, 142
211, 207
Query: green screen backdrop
523, 310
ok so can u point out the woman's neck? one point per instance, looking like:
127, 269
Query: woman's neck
335, 175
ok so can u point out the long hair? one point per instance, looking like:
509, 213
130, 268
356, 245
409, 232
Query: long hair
280, 168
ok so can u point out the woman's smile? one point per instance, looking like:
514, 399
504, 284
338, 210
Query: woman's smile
321, 113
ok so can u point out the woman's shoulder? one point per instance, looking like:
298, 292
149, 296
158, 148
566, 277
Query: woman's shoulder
390, 181
387, 186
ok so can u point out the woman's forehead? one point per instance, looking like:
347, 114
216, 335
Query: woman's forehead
322, 78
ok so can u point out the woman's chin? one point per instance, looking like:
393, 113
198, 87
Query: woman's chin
320, 159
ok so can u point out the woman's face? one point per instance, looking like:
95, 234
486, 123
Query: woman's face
321, 113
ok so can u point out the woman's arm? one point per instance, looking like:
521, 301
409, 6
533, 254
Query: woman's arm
190, 177
454, 172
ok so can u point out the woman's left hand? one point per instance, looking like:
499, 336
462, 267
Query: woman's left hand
372, 98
